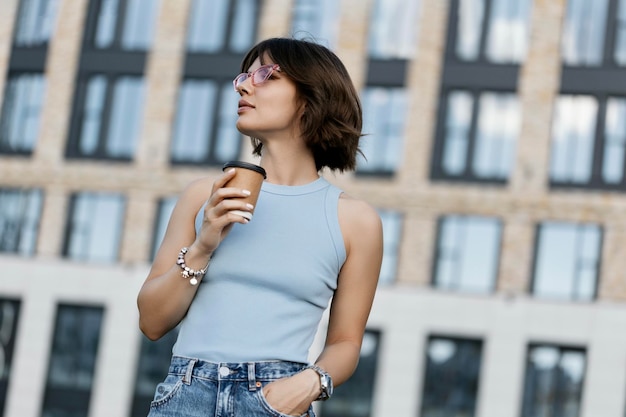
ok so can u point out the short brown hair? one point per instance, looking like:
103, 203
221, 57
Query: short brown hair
332, 120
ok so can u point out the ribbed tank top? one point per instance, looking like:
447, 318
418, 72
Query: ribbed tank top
269, 281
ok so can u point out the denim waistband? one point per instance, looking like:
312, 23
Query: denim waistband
233, 371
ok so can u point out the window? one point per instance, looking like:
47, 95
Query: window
479, 115
393, 29
554, 381
589, 142
492, 30
451, 378
9, 317
317, 19
567, 261
109, 96
204, 130
594, 34
222, 25
392, 233
35, 22
467, 254
24, 90
21, 108
72, 361
20, 211
94, 227
354, 398
219, 33
384, 114
166, 206
479, 135
154, 361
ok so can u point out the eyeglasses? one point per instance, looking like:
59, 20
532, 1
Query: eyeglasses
259, 75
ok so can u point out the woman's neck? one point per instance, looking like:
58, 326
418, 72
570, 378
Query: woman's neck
289, 166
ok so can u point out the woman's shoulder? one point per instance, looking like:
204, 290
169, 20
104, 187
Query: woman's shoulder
195, 194
358, 218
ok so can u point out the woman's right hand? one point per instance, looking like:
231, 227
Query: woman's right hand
218, 217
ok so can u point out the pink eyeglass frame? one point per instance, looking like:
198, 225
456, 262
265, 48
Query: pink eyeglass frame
241, 78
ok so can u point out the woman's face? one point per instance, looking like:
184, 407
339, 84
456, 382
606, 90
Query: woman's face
270, 109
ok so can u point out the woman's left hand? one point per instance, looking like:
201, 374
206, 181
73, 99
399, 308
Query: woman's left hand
293, 395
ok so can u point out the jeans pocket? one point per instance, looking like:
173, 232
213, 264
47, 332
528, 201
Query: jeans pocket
166, 390
271, 411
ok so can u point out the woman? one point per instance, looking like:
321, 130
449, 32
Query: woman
247, 326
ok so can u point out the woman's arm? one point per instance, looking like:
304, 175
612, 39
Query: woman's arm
350, 308
165, 296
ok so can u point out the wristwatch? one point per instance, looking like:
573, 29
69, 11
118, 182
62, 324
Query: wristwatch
326, 382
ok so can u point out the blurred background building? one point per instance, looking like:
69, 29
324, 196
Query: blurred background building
496, 154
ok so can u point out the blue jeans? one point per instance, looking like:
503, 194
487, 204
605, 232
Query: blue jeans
195, 388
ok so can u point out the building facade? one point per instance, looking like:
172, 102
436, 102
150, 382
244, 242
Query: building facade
495, 153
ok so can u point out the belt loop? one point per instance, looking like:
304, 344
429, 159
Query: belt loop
251, 377
187, 377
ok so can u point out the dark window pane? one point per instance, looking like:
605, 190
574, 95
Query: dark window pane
9, 317
21, 111
35, 22
467, 254
568, 258
154, 360
457, 132
72, 361
384, 114
354, 397
95, 227
451, 379
584, 32
20, 212
554, 381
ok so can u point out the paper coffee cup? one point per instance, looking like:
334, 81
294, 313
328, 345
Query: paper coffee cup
247, 177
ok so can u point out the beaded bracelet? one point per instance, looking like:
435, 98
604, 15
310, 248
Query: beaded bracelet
187, 272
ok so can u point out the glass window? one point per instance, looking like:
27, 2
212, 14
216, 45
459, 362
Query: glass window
94, 227
72, 362
384, 115
480, 139
584, 32
205, 127
154, 360
554, 381
573, 136
317, 19
166, 206
354, 398
451, 377
614, 141
620, 35
35, 22
468, 251
392, 233
217, 25
126, 24
393, 29
110, 118
502, 37
567, 261
21, 111
20, 211
9, 317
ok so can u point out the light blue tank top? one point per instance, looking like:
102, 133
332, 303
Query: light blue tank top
269, 281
